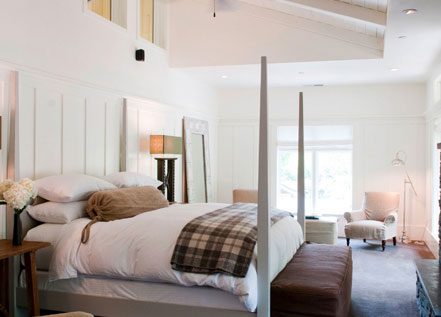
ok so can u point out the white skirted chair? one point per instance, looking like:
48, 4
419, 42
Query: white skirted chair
377, 220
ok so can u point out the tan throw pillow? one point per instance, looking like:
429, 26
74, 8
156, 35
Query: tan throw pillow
114, 204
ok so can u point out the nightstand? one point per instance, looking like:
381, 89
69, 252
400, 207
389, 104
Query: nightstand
27, 249
322, 230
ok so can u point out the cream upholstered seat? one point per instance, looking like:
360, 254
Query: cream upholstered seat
377, 220
245, 196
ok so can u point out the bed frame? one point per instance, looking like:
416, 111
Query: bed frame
20, 137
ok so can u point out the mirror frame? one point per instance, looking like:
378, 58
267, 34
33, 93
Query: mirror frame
196, 126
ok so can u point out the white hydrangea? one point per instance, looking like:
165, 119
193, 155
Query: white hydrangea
4, 186
19, 194
29, 185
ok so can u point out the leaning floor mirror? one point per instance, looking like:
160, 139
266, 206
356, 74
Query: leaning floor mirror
197, 161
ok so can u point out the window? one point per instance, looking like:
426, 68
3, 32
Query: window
112, 10
153, 21
146, 19
328, 169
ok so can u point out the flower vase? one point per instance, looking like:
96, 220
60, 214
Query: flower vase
16, 234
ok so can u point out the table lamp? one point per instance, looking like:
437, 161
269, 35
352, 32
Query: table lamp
166, 145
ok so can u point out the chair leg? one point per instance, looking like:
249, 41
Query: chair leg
347, 241
394, 239
364, 240
383, 244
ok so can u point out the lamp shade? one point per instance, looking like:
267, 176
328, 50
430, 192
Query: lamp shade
400, 159
165, 144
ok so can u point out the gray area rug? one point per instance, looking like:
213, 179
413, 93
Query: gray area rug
384, 282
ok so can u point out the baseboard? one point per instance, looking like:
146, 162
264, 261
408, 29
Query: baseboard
431, 242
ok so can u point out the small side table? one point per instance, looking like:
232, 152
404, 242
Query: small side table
322, 230
7, 250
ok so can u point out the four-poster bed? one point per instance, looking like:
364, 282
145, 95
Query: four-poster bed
183, 301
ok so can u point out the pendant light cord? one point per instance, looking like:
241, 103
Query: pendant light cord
214, 8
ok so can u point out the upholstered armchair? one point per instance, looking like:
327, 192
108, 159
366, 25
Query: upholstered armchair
377, 220
245, 196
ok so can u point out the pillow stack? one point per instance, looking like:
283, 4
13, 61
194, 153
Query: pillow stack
131, 179
66, 195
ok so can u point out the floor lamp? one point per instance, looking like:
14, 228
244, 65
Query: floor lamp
400, 160
166, 145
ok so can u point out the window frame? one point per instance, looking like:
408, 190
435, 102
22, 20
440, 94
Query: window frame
104, 20
314, 147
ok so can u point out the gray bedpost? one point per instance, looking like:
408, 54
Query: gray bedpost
301, 170
263, 276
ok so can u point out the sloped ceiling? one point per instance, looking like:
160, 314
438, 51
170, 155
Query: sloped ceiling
287, 31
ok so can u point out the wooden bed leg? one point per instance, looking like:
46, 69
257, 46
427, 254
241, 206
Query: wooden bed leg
394, 239
347, 241
364, 240
383, 244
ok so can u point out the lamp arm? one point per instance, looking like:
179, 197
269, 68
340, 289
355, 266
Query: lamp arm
409, 180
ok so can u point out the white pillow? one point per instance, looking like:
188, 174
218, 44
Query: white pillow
131, 179
67, 188
52, 212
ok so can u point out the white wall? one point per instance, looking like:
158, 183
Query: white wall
385, 118
147, 118
4, 97
58, 40
433, 132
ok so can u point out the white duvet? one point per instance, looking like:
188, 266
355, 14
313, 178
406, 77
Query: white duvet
140, 248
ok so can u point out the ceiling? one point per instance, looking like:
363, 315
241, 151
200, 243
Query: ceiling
342, 42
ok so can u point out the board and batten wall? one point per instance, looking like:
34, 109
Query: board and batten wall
5, 79
145, 118
84, 55
433, 132
70, 128
385, 119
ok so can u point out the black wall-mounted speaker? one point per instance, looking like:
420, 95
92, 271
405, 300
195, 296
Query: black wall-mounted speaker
140, 55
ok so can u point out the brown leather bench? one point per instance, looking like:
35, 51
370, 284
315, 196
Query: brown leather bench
316, 282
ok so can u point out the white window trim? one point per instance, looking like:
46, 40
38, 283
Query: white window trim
105, 21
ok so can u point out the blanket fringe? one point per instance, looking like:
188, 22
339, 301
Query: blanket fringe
86, 230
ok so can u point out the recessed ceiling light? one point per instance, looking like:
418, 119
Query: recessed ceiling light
394, 69
410, 11
402, 37
224, 76
301, 73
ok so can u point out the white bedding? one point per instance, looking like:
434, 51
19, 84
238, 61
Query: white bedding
46, 232
140, 248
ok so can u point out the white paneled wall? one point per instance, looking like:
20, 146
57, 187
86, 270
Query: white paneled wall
433, 117
238, 158
65, 128
374, 146
144, 118
4, 91
385, 119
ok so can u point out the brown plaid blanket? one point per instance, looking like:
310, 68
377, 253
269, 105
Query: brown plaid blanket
221, 241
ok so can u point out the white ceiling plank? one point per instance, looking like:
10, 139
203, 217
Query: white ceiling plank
343, 10
333, 31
